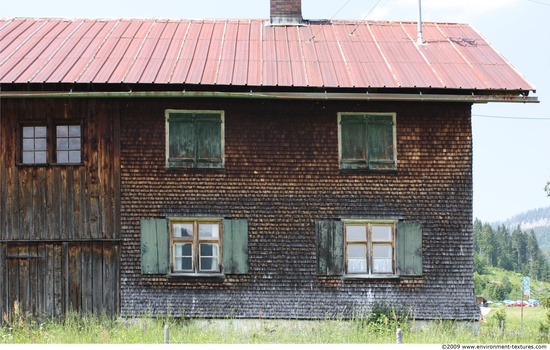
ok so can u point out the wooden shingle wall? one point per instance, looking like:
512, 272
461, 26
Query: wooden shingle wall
281, 174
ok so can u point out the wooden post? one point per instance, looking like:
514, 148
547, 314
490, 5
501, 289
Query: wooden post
166, 334
502, 326
399, 336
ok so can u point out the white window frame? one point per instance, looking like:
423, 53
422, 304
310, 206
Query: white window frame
369, 243
195, 241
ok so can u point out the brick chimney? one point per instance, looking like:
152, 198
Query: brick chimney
286, 13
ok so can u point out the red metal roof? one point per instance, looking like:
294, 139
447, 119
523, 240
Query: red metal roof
345, 54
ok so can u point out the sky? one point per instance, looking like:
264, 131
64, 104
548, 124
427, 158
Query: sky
511, 151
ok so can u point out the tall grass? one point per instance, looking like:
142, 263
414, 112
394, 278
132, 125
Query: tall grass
377, 328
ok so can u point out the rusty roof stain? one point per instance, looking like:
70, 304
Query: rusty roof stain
249, 52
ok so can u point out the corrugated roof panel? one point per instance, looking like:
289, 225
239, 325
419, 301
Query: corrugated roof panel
164, 74
227, 61
56, 52
24, 52
348, 54
86, 43
254, 76
240, 69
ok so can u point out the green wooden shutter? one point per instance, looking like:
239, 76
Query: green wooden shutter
209, 141
181, 139
154, 246
380, 141
409, 249
353, 141
330, 247
235, 246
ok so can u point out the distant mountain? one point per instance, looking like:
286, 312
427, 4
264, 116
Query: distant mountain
537, 220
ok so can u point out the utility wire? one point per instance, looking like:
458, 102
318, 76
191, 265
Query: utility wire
539, 2
503, 117
331, 18
364, 18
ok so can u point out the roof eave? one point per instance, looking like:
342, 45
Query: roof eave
466, 98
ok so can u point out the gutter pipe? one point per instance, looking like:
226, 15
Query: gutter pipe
276, 95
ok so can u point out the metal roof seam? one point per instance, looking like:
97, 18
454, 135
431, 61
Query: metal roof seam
301, 42
510, 65
178, 58
19, 47
339, 44
134, 61
220, 57
418, 48
77, 79
383, 56
59, 47
453, 45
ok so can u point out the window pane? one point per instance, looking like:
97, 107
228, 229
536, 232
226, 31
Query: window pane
28, 144
381, 250
209, 257
62, 144
40, 157
74, 131
40, 132
62, 131
382, 258
28, 157
62, 156
183, 230
209, 230
381, 232
74, 157
357, 251
183, 257
74, 143
28, 132
40, 144
356, 233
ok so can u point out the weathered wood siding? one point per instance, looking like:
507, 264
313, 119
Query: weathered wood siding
66, 216
281, 174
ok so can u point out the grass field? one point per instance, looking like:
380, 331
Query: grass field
382, 330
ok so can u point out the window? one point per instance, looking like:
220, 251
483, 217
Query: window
36, 147
195, 139
369, 248
196, 246
367, 141
68, 144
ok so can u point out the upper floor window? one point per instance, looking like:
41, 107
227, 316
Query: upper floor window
367, 141
194, 139
51, 143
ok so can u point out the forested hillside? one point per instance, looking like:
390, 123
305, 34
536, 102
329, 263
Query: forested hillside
514, 250
538, 220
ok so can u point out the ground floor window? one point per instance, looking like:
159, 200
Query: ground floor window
196, 246
369, 247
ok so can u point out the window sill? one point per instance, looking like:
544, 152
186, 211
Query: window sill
369, 277
174, 169
176, 275
368, 171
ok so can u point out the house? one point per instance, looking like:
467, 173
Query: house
241, 168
